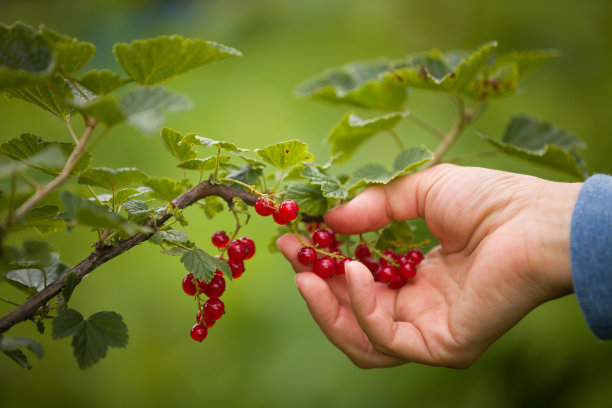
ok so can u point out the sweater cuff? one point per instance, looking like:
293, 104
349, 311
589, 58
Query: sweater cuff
591, 254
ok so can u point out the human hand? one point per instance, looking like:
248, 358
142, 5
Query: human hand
504, 249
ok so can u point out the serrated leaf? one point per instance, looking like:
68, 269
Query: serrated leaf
103, 108
41, 213
164, 188
176, 251
93, 337
36, 153
51, 96
207, 163
542, 143
135, 208
203, 266
112, 179
284, 155
169, 236
527, 61
102, 82
25, 57
253, 162
66, 323
406, 162
70, 283
239, 206
212, 206
156, 60
9, 344
330, 185
347, 135
123, 194
310, 199
94, 215
246, 174
44, 219
70, 53
205, 141
365, 84
176, 144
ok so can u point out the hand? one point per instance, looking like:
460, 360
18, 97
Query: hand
504, 249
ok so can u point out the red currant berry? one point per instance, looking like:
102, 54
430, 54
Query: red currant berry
389, 254
307, 256
341, 266
189, 286
371, 264
278, 219
322, 238
325, 267
199, 332
416, 256
387, 274
220, 239
215, 287
408, 270
288, 210
362, 252
403, 258
237, 251
250, 245
214, 307
264, 206
398, 282
202, 317
237, 268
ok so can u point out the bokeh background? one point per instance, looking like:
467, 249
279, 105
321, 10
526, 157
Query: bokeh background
267, 351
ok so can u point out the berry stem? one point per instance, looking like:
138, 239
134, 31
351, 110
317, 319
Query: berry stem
240, 183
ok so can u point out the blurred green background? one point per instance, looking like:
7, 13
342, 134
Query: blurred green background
267, 351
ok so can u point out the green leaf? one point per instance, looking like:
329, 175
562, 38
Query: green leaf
527, 61
207, 163
542, 143
41, 213
212, 206
330, 185
66, 323
112, 179
15, 343
70, 53
94, 215
365, 84
152, 61
135, 208
249, 160
347, 135
25, 57
204, 141
246, 174
169, 236
44, 219
398, 235
102, 82
310, 199
175, 251
93, 337
239, 206
111, 327
48, 157
176, 145
51, 96
123, 194
203, 266
164, 188
103, 108
406, 162
19, 357
70, 283
285, 154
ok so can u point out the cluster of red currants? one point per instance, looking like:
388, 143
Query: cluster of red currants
285, 212
390, 268
213, 308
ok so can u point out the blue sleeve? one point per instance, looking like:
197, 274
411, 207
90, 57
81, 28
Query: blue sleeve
591, 254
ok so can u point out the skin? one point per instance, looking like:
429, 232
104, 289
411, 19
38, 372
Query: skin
504, 250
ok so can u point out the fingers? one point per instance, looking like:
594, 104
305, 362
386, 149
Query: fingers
338, 323
289, 246
401, 340
374, 208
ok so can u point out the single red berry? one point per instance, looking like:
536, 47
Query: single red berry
199, 332
248, 242
220, 239
288, 210
237, 268
203, 318
215, 287
416, 256
325, 267
214, 307
307, 256
362, 252
408, 270
387, 274
264, 206
278, 219
403, 258
398, 282
189, 286
237, 251
371, 264
390, 254
341, 266
322, 238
